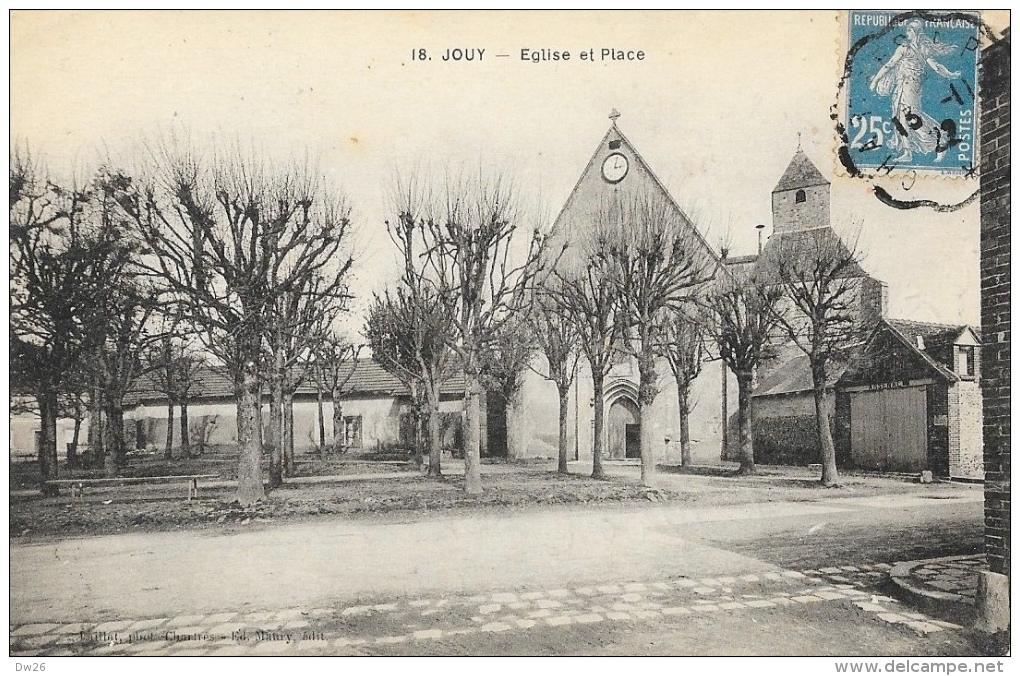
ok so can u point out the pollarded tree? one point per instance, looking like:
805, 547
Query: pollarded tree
119, 361
66, 257
409, 331
745, 314
558, 336
475, 253
299, 322
174, 367
683, 346
658, 263
231, 234
822, 279
336, 359
508, 357
593, 308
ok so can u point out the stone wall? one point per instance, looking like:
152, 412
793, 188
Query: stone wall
788, 215
965, 433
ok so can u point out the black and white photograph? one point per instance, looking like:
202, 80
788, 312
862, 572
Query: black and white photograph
435, 333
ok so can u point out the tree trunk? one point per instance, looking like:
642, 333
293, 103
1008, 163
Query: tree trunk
288, 434
646, 399
516, 426
745, 417
48, 440
725, 414
683, 406
830, 474
420, 433
274, 434
249, 434
597, 472
472, 436
338, 423
168, 452
321, 412
564, 392
96, 427
185, 432
116, 453
72, 451
435, 442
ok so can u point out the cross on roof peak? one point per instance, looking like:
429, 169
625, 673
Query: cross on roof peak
614, 115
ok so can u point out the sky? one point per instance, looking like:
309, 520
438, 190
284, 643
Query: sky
716, 107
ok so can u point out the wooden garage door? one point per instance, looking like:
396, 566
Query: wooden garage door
888, 429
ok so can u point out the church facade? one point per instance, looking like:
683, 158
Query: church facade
907, 399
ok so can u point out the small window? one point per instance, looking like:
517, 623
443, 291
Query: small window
801, 196
967, 362
352, 431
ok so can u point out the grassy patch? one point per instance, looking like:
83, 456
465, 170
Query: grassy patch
161, 507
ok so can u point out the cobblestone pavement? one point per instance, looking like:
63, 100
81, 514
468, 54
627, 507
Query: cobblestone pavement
368, 628
951, 578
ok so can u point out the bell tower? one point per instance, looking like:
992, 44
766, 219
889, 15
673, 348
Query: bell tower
800, 201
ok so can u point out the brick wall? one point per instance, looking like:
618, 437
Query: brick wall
995, 297
939, 405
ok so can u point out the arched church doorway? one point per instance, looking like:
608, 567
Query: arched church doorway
624, 429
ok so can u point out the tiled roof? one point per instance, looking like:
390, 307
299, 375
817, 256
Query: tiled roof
933, 335
800, 173
369, 378
807, 245
792, 375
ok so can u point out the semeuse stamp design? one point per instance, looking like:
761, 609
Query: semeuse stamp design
911, 91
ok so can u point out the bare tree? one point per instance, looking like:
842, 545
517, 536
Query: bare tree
822, 280
66, 256
745, 313
658, 263
409, 331
230, 235
593, 308
684, 348
338, 361
471, 252
299, 322
558, 336
507, 358
120, 361
174, 368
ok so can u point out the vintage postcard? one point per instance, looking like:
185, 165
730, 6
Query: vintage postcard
418, 333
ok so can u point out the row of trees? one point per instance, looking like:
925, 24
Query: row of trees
641, 285
250, 260
481, 294
246, 259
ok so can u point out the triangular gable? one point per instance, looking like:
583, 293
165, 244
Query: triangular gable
592, 189
890, 357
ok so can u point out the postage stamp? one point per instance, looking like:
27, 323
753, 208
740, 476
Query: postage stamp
911, 91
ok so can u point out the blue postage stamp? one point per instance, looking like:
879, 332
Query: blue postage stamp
911, 91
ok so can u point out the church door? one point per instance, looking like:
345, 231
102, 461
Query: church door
624, 430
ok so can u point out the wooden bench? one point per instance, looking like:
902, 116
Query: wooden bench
78, 485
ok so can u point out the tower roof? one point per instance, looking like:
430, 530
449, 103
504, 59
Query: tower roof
801, 173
